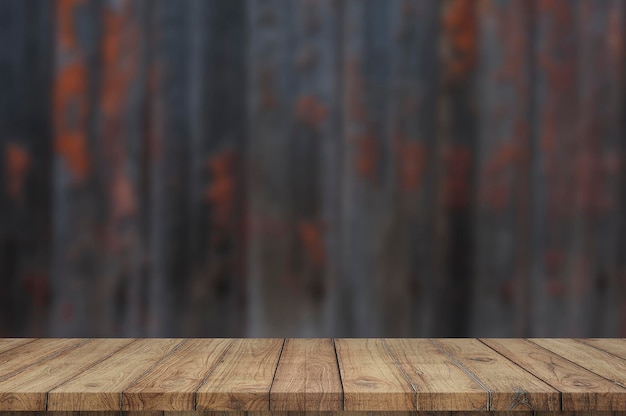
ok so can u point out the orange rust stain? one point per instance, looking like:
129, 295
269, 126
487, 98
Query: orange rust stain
119, 58
17, 163
411, 163
221, 192
70, 110
615, 35
65, 22
460, 28
496, 191
71, 86
366, 155
72, 146
456, 191
310, 111
123, 199
311, 235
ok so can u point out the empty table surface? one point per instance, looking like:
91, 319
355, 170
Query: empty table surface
262, 374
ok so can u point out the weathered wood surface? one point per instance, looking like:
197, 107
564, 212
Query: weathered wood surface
319, 375
312, 168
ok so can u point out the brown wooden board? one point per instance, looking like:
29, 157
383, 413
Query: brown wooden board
510, 386
243, 378
319, 376
307, 377
101, 388
29, 389
172, 383
579, 387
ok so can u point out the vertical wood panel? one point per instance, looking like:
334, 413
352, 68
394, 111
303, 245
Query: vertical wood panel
456, 160
116, 300
216, 188
592, 306
290, 152
389, 128
25, 73
168, 143
311, 167
503, 174
77, 206
556, 134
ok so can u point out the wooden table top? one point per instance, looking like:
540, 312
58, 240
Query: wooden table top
312, 374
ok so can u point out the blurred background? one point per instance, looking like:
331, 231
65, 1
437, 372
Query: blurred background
312, 168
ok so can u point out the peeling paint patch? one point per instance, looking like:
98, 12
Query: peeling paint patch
311, 235
460, 27
457, 164
221, 191
366, 155
17, 163
310, 111
411, 163
65, 21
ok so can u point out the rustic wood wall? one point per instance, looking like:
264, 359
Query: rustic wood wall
312, 168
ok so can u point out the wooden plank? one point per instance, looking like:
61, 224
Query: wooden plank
371, 379
17, 359
101, 387
172, 383
118, 136
26, 63
7, 344
591, 275
389, 73
307, 377
292, 159
615, 346
455, 155
167, 184
600, 362
503, 79
215, 299
76, 223
26, 391
595, 306
555, 142
510, 387
440, 383
581, 390
243, 379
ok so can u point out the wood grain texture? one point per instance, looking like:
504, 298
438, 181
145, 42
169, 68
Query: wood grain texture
318, 376
172, 383
510, 386
440, 383
610, 345
580, 389
17, 359
371, 379
7, 344
307, 377
600, 362
27, 390
101, 388
243, 379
